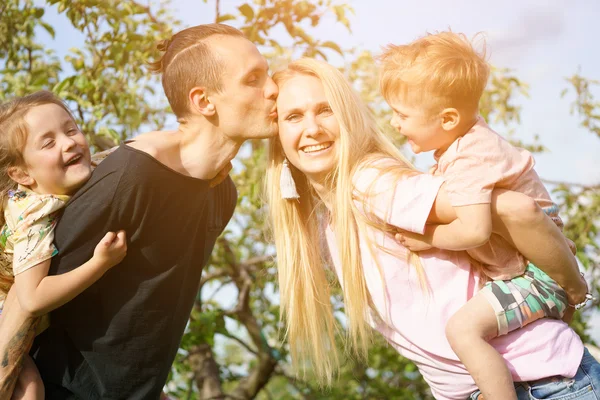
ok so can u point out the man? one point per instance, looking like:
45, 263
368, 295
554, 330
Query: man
118, 339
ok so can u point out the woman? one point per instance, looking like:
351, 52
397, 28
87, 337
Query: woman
356, 190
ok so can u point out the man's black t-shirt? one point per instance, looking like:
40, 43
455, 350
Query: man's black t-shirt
118, 339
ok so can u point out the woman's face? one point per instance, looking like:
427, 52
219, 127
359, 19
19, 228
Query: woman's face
308, 130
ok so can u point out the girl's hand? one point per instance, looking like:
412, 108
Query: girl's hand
412, 241
112, 249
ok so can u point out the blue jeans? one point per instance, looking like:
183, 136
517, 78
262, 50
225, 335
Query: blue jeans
585, 385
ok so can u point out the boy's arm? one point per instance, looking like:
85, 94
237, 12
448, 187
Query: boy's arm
518, 219
471, 228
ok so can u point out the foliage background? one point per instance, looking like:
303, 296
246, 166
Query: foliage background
232, 348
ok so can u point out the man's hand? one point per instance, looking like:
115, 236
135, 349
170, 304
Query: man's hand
221, 175
16, 335
412, 241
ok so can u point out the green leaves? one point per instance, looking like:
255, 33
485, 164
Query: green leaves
247, 12
114, 97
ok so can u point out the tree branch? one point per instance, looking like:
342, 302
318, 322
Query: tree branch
256, 260
206, 372
572, 184
249, 386
293, 381
225, 283
213, 275
240, 341
146, 10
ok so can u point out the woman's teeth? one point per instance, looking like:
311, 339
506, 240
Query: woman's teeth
316, 147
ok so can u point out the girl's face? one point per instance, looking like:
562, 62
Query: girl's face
57, 156
308, 130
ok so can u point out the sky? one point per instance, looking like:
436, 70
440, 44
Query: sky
543, 42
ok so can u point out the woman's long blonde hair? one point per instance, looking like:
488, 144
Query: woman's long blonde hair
13, 136
304, 288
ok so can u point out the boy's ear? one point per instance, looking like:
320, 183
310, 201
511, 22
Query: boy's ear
450, 118
20, 176
200, 103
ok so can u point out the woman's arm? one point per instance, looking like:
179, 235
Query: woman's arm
518, 219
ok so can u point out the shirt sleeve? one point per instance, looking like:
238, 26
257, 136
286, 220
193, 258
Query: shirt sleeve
474, 168
399, 196
33, 233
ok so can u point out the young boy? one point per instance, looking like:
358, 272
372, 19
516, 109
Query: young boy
434, 85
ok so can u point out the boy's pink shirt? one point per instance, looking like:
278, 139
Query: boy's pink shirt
416, 319
472, 167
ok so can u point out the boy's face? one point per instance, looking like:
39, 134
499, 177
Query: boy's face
422, 128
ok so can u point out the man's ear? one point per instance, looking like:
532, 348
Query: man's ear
200, 102
20, 176
450, 118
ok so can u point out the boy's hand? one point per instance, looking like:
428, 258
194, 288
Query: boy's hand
412, 241
112, 249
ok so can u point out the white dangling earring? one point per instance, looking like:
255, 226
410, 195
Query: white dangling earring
286, 182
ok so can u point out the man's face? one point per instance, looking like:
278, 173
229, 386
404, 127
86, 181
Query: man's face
246, 105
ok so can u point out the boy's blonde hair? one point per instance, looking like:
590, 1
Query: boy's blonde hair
438, 71
188, 61
13, 136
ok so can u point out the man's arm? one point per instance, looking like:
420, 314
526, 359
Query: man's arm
17, 330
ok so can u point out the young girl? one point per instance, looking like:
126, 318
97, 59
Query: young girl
44, 158
434, 85
354, 190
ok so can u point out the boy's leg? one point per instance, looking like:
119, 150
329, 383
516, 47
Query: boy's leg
468, 332
519, 220
501, 307
17, 330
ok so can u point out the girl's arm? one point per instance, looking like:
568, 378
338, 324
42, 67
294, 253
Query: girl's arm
39, 293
